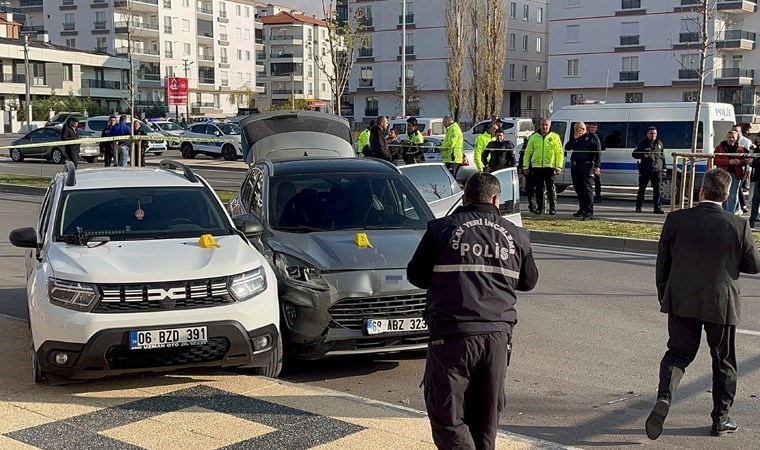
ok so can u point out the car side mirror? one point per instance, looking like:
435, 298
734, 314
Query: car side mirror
248, 225
23, 237
217, 133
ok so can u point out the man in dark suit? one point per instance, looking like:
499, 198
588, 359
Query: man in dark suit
701, 253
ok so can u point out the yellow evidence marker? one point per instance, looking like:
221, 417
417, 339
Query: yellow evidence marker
362, 241
207, 241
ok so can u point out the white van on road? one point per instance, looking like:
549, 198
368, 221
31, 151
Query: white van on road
427, 126
622, 126
516, 130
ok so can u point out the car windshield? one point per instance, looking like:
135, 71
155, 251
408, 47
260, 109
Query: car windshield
350, 201
129, 214
229, 128
169, 126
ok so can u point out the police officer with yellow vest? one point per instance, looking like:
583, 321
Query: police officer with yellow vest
544, 158
482, 141
452, 148
411, 149
471, 263
363, 139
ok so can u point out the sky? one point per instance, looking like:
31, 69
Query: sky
310, 7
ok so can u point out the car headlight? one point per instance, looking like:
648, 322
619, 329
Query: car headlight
72, 294
248, 285
297, 271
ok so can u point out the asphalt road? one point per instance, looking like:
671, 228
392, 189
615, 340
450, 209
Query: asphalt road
584, 366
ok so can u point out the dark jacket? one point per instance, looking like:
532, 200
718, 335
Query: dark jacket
104, 146
498, 155
651, 155
702, 250
68, 133
120, 129
411, 152
602, 145
755, 177
586, 150
471, 264
724, 161
378, 144
141, 132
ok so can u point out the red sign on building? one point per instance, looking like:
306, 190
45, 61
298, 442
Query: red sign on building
176, 91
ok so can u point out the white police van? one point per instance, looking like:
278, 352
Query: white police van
622, 126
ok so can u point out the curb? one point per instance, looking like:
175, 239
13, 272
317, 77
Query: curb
595, 242
25, 190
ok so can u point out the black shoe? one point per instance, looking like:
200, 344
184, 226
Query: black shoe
578, 214
657, 418
587, 216
552, 212
723, 428
659, 211
638, 209
598, 200
537, 212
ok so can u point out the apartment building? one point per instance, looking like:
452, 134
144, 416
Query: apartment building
211, 42
60, 68
646, 51
286, 67
374, 87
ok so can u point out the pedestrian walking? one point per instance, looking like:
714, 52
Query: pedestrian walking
545, 158
362, 142
734, 165
411, 150
584, 164
452, 148
107, 147
594, 129
481, 142
498, 154
698, 288
121, 129
69, 133
651, 155
471, 263
378, 144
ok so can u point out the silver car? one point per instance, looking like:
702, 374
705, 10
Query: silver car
87, 151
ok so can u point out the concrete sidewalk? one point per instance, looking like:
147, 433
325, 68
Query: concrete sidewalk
200, 409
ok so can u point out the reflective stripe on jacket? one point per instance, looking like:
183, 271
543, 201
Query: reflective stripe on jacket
452, 148
544, 151
480, 145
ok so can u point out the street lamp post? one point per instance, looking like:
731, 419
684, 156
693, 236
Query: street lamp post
403, 58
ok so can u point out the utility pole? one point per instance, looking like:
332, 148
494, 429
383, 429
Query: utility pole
186, 63
293, 88
403, 58
28, 84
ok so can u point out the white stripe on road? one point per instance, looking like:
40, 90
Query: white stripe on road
748, 332
593, 250
476, 268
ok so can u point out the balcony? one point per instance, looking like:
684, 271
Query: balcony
629, 75
205, 34
205, 10
148, 76
137, 51
409, 21
409, 81
224, 82
287, 91
167, 30
33, 29
735, 40
137, 5
168, 54
206, 60
67, 5
260, 56
30, 5
687, 74
205, 80
687, 40
734, 77
12, 78
101, 49
224, 60
366, 84
99, 4
99, 25
284, 55
69, 27
371, 112
221, 16
687, 5
366, 53
737, 6
100, 84
629, 40
409, 52
629, 43
286, 39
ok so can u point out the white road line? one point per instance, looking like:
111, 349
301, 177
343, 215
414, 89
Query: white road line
748, 332
594, 250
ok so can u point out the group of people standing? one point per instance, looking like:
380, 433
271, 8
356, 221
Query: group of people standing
115, 153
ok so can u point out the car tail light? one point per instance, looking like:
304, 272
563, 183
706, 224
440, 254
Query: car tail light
429, 132
465, 162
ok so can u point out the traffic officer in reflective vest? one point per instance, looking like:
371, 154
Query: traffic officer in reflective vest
471, 263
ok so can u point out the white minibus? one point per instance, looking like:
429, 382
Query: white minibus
622, 126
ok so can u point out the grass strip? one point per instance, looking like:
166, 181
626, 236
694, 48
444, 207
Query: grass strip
24, 180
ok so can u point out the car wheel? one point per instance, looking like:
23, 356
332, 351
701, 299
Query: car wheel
89, 159
16, 155
187, 151
158, 153
560, 188
57, 156
274, 366
229, 153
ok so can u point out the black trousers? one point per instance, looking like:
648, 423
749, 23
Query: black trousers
71, 154
453, 168
645, 178
543, 180
583, 177
597, 186
464, 389
530, 191
107, 149
683, 343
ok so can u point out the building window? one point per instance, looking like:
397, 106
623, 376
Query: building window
576, 99
247, 34
68, 72
366, 14
539, 15
512, 10
690, 60
237, 10
572, 67
185, 3
71, 43
186, 49
511, 71
689, 96
630, 69
247, 12
371, 107
526, 12
101, 44
185, 25
247, 55
634, 97
525, 42
524, 72
167, 24
365, 76
168, 49
539, 44
68, 22
539, 74
512, 41
324, 87
630, 4
629, 33
573, 33
239, 55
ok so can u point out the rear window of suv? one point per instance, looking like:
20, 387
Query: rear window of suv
97, 124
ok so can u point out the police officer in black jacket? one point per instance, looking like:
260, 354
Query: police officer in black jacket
498, 154
471, 264
69, 133
584, 164
651, 154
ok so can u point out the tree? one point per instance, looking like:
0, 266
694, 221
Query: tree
495, 37
415, 95
243, 97
345, 36
476, 55
455, 12
300, 104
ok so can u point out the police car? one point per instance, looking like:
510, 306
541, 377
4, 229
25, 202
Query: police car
230, 150
134, 270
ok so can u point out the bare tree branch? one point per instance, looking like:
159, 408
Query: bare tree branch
455, 12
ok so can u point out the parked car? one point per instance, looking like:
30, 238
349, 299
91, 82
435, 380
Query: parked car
516, 130
432, 153
87, 151
62, 117
98, 123
428, 126
230, 151
167, 128
118, 280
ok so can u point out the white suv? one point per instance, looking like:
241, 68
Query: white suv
135, 270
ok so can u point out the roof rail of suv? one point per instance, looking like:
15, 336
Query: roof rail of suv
170, 164
71, 174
